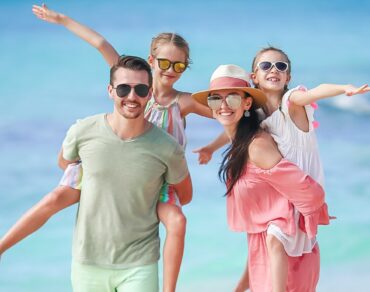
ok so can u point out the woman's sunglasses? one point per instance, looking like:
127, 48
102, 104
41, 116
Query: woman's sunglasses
233, 101
267, 66
124, 90
165, 64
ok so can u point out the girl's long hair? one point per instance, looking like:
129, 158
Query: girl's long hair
236, 155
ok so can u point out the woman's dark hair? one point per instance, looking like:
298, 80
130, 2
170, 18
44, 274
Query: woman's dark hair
236, 155
133, 63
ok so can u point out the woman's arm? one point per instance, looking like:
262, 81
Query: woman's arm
322, 91
284, 176
90, 36
289, 181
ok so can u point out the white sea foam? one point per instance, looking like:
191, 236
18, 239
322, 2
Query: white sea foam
357, 104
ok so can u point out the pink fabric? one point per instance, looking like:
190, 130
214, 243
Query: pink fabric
261, 197
227, 82
315, 124
314, 105
303, 271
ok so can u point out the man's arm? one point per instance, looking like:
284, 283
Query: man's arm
62, 162
184, 190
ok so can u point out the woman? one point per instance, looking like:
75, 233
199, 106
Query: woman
262, 187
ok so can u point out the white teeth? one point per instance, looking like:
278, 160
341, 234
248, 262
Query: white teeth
131, 105
226, 114
273, 79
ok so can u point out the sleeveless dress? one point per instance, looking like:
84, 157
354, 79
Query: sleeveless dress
167, 118
300, 148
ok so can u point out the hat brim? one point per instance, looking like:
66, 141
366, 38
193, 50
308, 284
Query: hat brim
259, 98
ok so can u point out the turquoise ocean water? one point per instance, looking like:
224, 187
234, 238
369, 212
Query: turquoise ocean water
49, 78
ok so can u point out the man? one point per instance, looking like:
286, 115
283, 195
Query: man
125, 161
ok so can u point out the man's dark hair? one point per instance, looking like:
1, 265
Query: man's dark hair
132, 63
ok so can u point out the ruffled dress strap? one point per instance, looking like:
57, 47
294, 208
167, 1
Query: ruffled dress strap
310, 108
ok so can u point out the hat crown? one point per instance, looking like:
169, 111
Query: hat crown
230, 71
230, 77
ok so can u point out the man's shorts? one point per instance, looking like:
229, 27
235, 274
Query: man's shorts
87, 278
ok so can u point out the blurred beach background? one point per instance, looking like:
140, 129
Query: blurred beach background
49, 78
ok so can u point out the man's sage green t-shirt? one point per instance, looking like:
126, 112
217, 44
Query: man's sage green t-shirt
117, 224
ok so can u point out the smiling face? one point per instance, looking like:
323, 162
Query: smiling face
173, 54
229, 117
271, 80
131, 106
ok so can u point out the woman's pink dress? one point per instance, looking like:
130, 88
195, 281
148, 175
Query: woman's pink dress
261, 197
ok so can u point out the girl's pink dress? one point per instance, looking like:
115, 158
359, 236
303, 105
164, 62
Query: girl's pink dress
261, 197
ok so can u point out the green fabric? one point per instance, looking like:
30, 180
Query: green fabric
87, 278
117, 224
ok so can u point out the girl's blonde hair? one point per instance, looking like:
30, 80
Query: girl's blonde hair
170, 38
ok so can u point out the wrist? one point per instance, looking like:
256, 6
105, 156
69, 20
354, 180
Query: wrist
209, 147
62, 19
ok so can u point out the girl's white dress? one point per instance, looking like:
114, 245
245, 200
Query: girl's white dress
302, 149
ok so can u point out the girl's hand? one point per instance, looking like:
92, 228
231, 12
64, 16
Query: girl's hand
204, 154
351, 90
44, 13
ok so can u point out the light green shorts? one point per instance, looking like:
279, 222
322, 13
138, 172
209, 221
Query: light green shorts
86, 278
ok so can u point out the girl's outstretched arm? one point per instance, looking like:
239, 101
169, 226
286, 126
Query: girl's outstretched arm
92, 37
205, 153
188, 105
322, 91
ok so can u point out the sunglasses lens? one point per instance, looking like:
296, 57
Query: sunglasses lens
179, 67
164, 64
281, 66
214, 102
233, 101
265, 66
123, 90
142, 90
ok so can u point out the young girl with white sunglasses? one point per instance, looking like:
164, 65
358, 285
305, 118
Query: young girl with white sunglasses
289, 118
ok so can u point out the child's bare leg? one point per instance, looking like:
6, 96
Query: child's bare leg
175, 223
243, 284
278, 263
58, 199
